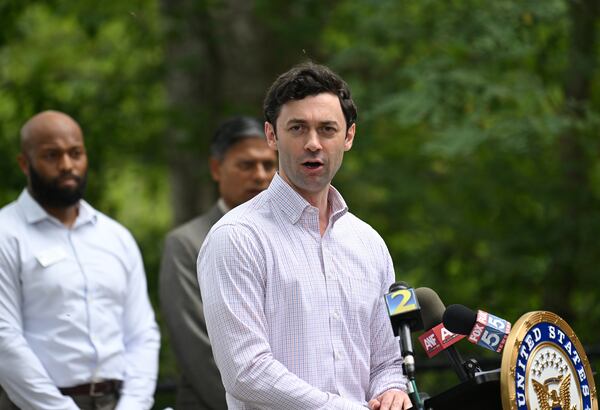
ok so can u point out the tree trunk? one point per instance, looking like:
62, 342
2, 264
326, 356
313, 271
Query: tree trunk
221, 57
563, 274
214, 69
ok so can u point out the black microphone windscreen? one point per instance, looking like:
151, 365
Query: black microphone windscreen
432, 308
398, 285
459, 319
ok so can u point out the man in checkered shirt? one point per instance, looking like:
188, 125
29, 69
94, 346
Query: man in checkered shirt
292, 282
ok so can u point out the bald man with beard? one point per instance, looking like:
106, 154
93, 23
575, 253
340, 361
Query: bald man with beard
77, 330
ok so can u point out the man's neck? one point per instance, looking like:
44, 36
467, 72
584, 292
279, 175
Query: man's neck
67, 215
321, 202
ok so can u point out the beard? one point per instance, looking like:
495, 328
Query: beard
49, 193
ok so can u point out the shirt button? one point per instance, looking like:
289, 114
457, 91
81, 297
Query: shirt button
336, 315
337, 355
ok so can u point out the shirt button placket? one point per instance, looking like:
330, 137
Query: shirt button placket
334, 306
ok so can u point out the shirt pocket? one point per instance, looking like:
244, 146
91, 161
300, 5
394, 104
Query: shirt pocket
50, 256
364, 294
49, 275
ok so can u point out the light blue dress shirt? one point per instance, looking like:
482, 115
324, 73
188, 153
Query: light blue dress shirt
74, 308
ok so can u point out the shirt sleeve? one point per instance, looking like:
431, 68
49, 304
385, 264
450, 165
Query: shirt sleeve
22, 375
141, 338
182, 311
231, 269
386, 359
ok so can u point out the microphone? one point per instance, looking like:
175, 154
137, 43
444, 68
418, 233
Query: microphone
405, 315
437, 339
434, 340
482, 328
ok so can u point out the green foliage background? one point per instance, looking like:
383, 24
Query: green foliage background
464, 154
458, 161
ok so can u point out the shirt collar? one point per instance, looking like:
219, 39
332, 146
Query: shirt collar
35, 213
293, 205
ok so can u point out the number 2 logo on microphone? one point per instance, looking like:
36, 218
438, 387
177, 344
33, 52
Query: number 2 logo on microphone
401, 301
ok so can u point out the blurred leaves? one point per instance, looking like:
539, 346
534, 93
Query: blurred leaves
458, 159
479, 170
104, 68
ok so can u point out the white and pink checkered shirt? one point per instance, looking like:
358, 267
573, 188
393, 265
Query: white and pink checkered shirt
296, 320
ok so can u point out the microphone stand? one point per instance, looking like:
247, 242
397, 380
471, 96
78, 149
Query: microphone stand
457, 363
409, 365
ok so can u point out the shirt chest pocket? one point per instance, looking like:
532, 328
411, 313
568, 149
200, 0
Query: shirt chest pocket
363, 294
50, 273
56, 273
51, 256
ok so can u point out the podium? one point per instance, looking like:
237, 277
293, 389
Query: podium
480, 392
543, 366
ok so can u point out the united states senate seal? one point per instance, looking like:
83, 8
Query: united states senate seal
544, 367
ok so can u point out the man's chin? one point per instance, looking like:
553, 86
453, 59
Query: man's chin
60, 198
68, 185
61, 192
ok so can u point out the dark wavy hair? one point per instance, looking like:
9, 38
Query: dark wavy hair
303, 80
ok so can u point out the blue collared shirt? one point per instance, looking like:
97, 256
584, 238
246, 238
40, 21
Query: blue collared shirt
73, 308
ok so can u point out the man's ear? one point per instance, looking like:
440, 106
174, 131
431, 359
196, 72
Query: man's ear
349, 137
215, 168
23, 163
271, 136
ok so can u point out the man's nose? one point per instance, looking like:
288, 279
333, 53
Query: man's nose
66, 162
261, 173
312, 142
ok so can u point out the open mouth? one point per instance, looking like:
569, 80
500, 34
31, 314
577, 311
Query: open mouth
68, 180
312, 164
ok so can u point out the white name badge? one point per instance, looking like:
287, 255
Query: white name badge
51, 256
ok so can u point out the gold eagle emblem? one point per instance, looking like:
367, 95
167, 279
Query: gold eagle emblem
551, 399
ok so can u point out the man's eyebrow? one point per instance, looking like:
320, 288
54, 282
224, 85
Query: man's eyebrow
303, 121
296, 121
